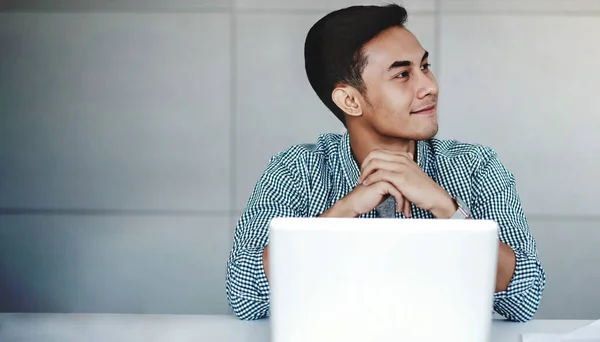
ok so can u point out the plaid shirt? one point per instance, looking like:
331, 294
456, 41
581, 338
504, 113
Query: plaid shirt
305, 180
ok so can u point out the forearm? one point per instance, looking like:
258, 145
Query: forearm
265, 261
506, 266
339, 210
444, 208
246, 284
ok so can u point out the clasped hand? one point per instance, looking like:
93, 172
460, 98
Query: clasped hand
392, 173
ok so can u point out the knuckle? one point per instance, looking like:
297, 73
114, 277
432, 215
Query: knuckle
376, 162
374, 153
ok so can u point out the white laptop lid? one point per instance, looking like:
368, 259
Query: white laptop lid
371, 280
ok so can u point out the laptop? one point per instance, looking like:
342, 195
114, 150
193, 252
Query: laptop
381, 280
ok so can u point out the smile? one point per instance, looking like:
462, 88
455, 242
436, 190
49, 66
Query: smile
425, 110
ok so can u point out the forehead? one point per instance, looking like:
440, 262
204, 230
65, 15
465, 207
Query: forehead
393, 44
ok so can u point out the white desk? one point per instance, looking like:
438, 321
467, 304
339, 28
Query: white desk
173, 328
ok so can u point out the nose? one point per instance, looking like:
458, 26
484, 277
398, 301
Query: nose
426, 84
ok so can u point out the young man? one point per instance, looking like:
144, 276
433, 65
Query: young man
373, 74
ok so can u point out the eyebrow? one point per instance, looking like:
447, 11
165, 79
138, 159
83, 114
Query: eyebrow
400, 64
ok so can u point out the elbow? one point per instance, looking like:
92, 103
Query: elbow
519, 308
246, 309
247, 301
522, 306
522, 317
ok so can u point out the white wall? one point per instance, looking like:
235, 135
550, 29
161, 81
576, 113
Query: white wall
132, 132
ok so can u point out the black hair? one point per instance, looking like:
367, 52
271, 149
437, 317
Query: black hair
333, 50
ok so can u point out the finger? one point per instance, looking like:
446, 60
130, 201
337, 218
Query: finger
407, 212
380, 164
390, 189
377, 176
394, 178
384, 155
383, 150
400, 202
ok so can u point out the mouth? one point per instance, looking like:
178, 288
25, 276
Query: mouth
425, 110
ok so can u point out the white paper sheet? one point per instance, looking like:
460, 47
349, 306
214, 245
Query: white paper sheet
588, 333
541, 338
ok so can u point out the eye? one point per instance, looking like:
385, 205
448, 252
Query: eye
425, 66
402, 75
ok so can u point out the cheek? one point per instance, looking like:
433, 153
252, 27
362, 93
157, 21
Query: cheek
399, 98
432, 77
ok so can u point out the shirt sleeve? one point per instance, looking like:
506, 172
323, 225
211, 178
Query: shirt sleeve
276, 194
496, 198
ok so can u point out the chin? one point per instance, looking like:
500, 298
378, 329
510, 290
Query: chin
409, 131
424, 133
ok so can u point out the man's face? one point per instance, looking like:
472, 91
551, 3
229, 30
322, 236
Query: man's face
401, 91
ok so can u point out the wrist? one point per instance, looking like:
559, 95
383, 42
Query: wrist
446, 208
341, 209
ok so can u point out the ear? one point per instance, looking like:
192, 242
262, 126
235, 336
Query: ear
348, 99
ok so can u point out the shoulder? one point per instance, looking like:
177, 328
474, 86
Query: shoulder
287, 175
295, 166
302, 157
480, 163
476, 160
454, 150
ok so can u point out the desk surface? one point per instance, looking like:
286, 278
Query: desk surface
180, 328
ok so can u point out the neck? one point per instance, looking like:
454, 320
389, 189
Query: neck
363, 142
